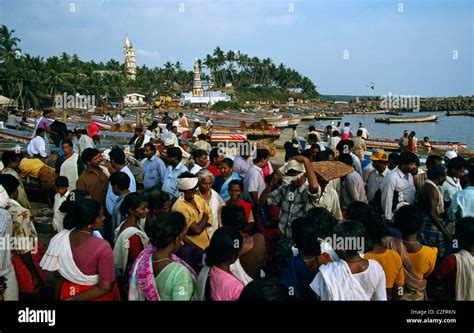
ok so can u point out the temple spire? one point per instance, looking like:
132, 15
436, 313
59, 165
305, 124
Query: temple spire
197, 87
130, 63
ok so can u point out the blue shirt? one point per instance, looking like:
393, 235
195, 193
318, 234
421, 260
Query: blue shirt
462, 204
111, 198
170, 185
154, 172
117, 217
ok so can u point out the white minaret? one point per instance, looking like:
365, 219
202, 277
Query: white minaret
130, 64
197, 87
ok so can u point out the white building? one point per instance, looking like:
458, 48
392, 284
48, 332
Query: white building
209, 97
134, 100
199, 95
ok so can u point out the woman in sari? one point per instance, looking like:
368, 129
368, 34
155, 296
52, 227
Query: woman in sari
30, 276
70, 164
130, 238
84, 264
221, 183
216, 281
418, 260
198, 218
158, 274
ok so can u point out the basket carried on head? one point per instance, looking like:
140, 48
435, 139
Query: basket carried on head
329, 170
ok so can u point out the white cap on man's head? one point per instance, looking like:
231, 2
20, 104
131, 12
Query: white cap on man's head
450, 154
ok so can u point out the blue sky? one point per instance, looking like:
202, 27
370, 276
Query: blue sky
404, 46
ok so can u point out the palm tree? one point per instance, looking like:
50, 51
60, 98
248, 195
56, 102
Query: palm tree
8, 43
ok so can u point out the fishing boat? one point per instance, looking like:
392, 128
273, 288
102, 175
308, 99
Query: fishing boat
460, 113
393, 145
325, 116
407, 119
394, 113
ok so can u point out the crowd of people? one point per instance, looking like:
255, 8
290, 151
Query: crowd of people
197, 223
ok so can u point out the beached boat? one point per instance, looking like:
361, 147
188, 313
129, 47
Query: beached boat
15, 135
407, 119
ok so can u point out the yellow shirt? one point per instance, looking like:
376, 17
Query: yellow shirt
423, 261
31, 167
194, 216
391, 263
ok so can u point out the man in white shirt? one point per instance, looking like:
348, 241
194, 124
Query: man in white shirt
452, 185
254, 182
37, 146
365, 132
82, 140
241, 163
119, 118
209, 124
199, 129
399, 179
171, 135
378, 174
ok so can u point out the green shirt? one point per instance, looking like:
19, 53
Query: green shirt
175, 283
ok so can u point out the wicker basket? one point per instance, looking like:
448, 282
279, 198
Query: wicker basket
329, 170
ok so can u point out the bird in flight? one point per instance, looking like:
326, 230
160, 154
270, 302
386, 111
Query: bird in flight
371, 85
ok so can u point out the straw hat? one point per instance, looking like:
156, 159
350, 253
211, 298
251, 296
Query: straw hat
329, 170
379, 155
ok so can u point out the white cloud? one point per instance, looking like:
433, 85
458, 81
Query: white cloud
152, 55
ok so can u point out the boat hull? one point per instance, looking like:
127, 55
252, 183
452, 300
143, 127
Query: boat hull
406, 120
